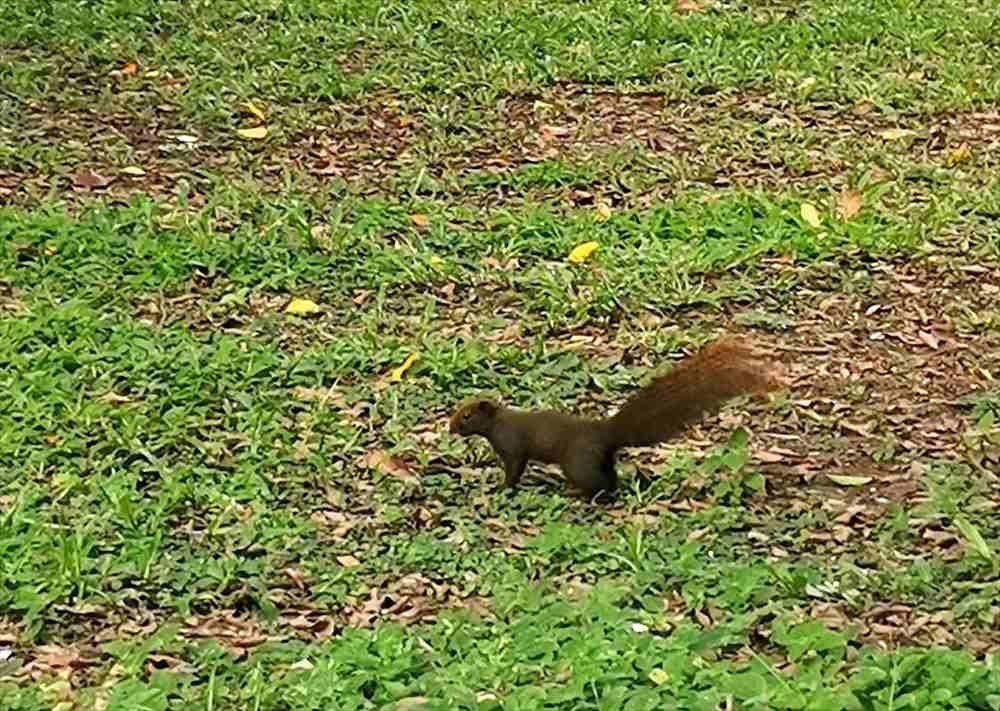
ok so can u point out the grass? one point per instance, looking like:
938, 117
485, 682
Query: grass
207, 501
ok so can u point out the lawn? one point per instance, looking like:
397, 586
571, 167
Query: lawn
254, 254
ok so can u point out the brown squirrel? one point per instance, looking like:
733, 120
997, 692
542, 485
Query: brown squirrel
585, 449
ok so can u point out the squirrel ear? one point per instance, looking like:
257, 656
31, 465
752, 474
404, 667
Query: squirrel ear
487, 407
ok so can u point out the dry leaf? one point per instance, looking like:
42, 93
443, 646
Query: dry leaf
253, 109
581, 252
419, 220
848, 480
383, 461
550, 132
603, 212
114, 398
895, 134
319, 395
129, 69
186, 138
133, 170
348, 561
848, 204
959, 154
688, 6
397, 373
88, 179
253, 134
494, 263
929, 339
811, 215
298, 577
301, 307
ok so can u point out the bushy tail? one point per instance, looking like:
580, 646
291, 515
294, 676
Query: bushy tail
701, 383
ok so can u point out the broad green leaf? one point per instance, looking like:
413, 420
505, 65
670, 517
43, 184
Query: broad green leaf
973, 537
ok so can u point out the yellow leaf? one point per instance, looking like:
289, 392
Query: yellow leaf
133, 170
895, 134
807, 84
581, 252
436, 261
301, 307
397, 373
848, 204
603, 212
959, 154
659, 677
253, 134
254, 109
811, 215
419, 220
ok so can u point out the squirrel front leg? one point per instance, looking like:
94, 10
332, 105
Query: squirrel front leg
513, 465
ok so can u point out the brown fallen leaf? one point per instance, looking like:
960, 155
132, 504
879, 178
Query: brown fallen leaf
776, 454
550, 132
226, 627
419, 220
863, 430
848, 204
324, 395
381, 460
929, 339
298, 577
688, 6
114, 398
91, 180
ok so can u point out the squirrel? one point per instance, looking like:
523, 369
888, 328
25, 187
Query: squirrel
585, 449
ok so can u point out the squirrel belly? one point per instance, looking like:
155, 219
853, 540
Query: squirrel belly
585, 449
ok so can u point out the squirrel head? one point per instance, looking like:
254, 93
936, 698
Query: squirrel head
475, 417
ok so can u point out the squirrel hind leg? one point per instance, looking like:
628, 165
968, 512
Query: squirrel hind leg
591, 471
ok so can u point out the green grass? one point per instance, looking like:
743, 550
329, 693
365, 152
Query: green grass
208, 502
